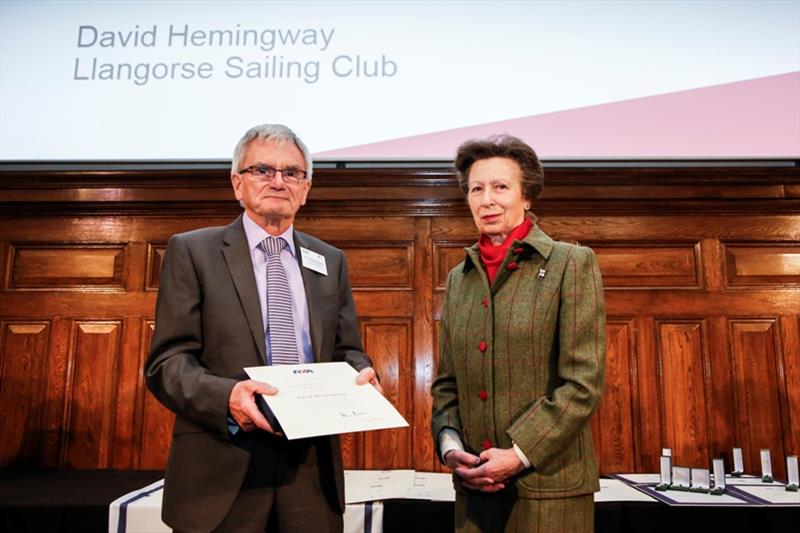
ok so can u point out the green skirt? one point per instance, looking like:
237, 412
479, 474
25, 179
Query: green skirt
504, 512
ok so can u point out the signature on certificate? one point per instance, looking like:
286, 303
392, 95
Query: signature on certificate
351, 414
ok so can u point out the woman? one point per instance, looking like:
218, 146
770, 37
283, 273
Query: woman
521, 357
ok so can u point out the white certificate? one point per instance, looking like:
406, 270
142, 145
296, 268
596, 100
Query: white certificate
432, 486
374, 485
324, 399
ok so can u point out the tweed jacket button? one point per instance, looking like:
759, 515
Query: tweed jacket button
482, 346
519, 250
483, 395
512, 266
487, 444
485, 302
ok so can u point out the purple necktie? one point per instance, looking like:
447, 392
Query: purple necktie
280, 328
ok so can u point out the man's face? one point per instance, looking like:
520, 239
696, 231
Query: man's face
275, 202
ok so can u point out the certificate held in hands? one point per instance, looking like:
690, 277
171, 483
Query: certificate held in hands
324, 399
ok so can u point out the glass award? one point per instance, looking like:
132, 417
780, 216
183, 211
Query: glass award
719, 477
766, 466
738, 463
666, 452
700, 481
681, 478
793, 478
666, 473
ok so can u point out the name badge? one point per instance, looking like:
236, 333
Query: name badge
314, 261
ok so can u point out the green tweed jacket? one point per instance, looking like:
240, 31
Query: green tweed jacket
523, 361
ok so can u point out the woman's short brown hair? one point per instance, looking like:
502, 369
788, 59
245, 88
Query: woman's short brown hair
502, 146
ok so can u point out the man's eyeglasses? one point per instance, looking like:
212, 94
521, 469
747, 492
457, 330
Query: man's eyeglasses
267, 173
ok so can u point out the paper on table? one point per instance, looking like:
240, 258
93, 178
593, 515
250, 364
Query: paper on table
746, 480
614, 490
372, 485
640, 478
432, 486
324, 399
772, 493
676, 497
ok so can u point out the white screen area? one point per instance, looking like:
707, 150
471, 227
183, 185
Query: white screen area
182, 81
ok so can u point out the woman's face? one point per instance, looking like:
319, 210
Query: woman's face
494, 193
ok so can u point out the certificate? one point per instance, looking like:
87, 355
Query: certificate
324, 399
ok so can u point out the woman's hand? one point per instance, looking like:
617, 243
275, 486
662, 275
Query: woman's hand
496, 467
456, 459
464, 464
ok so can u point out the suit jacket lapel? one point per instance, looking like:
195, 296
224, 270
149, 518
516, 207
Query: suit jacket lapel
312, 288
240, 266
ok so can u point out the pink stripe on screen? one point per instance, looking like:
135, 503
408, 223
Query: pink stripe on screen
753, 118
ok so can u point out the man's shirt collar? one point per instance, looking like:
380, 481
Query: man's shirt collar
256, 234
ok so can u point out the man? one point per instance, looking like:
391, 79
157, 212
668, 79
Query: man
251, 293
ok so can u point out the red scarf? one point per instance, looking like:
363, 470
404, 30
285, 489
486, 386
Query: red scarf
492, 256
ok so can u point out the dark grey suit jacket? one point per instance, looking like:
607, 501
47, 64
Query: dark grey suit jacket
209, 327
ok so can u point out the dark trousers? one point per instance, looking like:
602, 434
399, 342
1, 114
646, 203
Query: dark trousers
301, 502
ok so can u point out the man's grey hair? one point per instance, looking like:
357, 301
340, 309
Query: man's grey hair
276, 132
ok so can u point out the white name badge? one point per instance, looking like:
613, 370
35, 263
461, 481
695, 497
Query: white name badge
738, 461
766, 466
719, 473
314, 261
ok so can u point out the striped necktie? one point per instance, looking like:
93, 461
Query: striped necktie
280, 328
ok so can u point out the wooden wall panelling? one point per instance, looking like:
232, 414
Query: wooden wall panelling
648, 411
155, 256
760, 391
128, 369
73, 266
720, 391
648, 265
790, 340
679, 246
437, 324
23, 361
388, 341
381, 267
381, 256
614, 426
682, 360
92, 386
154, 421
53, 425
423, 353
446, 255
762, 264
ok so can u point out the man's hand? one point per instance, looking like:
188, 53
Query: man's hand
243, 408
496, 467
368, 375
